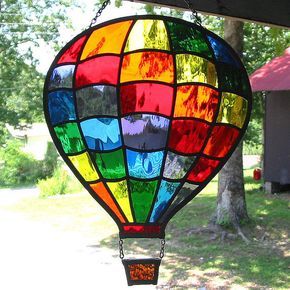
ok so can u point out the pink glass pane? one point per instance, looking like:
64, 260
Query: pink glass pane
102, 70
71, 54
202, 170
187, 136
221, 140
146, 97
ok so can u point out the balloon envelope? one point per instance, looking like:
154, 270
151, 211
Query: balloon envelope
145, 110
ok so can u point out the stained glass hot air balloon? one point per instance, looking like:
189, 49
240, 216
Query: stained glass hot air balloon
145, 110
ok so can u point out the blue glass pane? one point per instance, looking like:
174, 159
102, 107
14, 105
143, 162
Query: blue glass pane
165, 193
61, 77
145, 132
61, 107
101, 133
144, 164
222, 52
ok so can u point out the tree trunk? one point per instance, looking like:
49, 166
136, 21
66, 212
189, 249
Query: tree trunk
231, 202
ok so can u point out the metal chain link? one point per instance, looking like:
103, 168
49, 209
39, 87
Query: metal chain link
162, 248
121, 250
104, 5
196, 17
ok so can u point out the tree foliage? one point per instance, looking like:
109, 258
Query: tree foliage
24, 24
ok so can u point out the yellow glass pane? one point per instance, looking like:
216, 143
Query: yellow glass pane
192, 68
120, 192
233, 109
108, 39
148, 34
196, 101
84, 166
149, 65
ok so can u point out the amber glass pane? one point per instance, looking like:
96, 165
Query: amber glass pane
192, 68
203, 169
120, 192
102, 70
70, 138
105, 196
142, 193
148, 33
142, 272
185, 38
146, 97
111, 165
147, 66
84, 166
221, 141
196, 101
108, 39
187, 136
233, 110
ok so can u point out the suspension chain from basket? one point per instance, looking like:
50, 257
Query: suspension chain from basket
162, 248
121, 250
104, 5
196, 17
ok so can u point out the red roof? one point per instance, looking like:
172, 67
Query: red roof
274, 75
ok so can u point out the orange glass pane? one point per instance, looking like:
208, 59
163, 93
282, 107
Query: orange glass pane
196, 101
105, 196
108, 39
150, 65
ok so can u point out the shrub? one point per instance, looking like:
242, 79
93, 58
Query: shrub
50, 162
17, 167
54, 185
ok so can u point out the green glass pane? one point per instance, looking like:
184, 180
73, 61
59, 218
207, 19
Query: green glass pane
70, 138
142, 193
111, 165
188, 39
148, 33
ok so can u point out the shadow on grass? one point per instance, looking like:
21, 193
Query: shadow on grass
196, 260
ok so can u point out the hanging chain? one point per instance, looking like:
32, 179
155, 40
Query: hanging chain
104, 5
162, 248
196, 17
121, 250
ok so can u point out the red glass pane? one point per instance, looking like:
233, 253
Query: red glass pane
202, 170
221, 141
71, 54
187, 136
146, 97
142, 229
105, 196
196, 101
102, 70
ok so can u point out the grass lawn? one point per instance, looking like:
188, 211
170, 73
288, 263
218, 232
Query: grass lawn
191, 260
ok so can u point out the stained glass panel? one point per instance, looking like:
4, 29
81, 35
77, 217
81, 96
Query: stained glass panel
144, 164
84, 166
107, 72
142, 193
61, 106
187, 136
233, 109
176, 166
120, 192
96, 100
196, 101
61, 77
144, 131
147, 33
147, 66
192, 68
101, 42
101, 133
146, 97
111, 164
165, 193
101, 191
70, 138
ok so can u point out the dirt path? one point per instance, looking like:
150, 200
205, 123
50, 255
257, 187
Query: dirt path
36, 256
